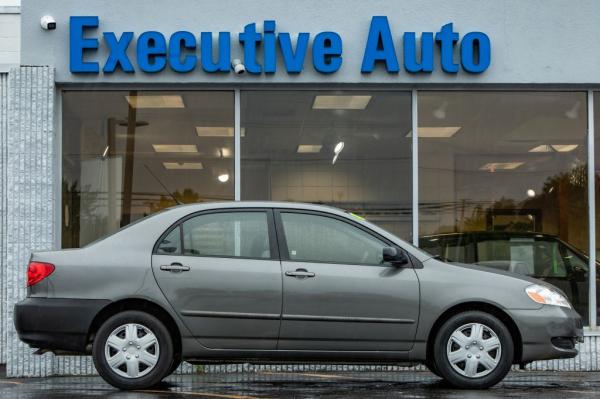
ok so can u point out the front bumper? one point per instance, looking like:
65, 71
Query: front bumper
56, 324
550, 332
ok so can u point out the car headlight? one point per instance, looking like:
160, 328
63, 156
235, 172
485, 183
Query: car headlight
546, 296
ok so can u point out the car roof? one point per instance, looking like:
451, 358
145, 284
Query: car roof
259, 204
492, 234
147, 230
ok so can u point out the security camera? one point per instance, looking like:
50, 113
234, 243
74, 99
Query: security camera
238, 67
48, 22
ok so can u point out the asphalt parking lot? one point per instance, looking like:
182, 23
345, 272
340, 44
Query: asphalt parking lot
260, 385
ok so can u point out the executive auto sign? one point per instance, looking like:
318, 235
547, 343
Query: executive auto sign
183, 52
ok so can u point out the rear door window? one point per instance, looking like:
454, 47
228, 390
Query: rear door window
228, 234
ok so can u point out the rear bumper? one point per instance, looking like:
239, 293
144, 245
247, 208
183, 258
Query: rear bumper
550, 332
57, 324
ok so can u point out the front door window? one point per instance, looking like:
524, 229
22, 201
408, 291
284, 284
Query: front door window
313, 238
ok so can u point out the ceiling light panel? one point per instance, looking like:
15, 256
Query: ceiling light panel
541, 148
179, 148
169, 101
218, 131
564, 147
214, 131
494, 166
554, 147
436, 131
341, 102
225, 152
309, 148
183, 165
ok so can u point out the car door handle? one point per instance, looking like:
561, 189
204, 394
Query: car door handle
302, 273
175, 268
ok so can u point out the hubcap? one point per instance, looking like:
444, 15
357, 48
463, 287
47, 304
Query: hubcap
131, 350
474, 350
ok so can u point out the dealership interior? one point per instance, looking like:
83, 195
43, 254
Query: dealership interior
501, 176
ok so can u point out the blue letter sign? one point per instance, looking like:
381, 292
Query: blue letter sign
267, 49
380, 47
78, 44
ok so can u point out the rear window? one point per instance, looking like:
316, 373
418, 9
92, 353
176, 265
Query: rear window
450, 249
523, 255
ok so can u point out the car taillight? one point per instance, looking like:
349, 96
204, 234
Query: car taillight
37, 271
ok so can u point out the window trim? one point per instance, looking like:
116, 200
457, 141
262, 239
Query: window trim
273, 247
284, 251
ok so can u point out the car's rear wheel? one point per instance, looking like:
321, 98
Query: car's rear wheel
133, 350
473, 349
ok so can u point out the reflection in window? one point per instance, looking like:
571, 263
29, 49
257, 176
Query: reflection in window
511, 163
171, 244
312, 238
127, 154
349, 149
230, 234
528, 256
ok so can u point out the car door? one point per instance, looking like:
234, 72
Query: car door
220, 271
337, 293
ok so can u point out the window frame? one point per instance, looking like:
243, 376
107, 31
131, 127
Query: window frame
273, 247
284, 251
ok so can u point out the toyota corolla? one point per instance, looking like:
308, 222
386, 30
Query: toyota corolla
267, 282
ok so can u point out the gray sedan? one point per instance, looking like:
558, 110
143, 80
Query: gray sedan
280, 283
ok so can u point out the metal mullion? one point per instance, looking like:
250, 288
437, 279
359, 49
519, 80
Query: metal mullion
236, 146
591, 211
415, 168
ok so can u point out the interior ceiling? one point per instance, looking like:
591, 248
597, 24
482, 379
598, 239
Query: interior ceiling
276, 122
505, 121
501, 124
86, 123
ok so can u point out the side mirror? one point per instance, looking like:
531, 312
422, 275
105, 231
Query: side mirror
394, 257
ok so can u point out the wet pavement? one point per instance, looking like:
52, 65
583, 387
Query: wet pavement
527, 384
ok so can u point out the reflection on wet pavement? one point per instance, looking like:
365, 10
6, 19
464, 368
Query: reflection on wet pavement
260, 385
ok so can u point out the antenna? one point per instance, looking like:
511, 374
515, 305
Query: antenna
163, 186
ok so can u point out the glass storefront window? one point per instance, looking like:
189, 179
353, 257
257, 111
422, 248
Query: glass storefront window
502, 174
597, 191
349, 149
502, 182
127, 154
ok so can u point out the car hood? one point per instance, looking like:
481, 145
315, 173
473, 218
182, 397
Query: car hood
492, 270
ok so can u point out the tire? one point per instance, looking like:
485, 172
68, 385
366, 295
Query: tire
486, 363
431, 366
121, 338
176, 362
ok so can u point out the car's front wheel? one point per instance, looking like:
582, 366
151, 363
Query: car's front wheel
133, 350
474, 350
